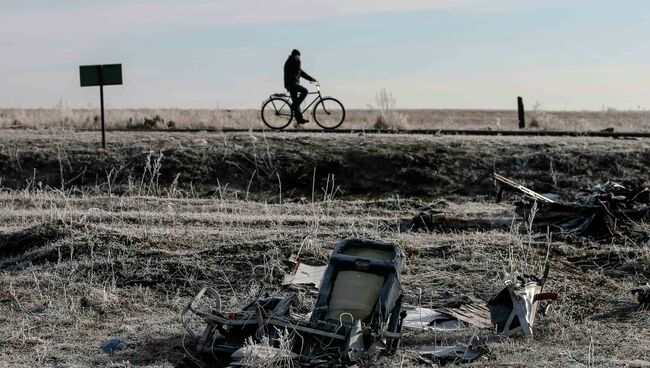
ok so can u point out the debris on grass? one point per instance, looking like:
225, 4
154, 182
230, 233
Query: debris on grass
263, 354
472, 314
513, 310
447, 354
643, 295
418, 318
304, 275
357, 318
609, 210
112, 345
435, 219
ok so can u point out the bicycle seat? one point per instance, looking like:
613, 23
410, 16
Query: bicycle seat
279, 95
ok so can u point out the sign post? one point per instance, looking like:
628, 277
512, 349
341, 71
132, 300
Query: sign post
101, 75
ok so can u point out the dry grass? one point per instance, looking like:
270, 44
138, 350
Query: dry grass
87, 265
387, 116
537, 117
122, 267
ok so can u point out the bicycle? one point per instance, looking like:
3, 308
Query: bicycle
328, 112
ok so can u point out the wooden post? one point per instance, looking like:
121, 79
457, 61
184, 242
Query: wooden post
101, 97
520, 110
101, 101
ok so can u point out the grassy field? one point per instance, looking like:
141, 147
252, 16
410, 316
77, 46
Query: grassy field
537, 119
118, 251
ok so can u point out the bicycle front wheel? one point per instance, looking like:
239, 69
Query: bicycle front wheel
276, 113
329, 113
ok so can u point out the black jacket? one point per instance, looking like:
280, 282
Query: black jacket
292, 73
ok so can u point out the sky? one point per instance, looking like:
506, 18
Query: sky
476, 54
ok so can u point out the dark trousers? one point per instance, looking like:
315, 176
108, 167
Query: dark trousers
298, 95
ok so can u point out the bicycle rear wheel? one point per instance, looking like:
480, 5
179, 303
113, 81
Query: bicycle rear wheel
329, 113
276, 113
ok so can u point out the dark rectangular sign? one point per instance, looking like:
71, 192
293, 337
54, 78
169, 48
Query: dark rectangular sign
95, 75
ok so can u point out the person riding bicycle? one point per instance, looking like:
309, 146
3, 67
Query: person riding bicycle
292, 74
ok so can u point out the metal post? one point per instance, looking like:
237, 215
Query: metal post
101, 98
520, 110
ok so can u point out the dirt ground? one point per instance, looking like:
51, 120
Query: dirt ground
98, 245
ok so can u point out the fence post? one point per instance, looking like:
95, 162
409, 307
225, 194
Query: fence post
522, 115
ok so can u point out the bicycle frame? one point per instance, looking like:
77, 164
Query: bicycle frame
314, 101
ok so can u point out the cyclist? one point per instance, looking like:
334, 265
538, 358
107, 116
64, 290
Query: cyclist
292, 74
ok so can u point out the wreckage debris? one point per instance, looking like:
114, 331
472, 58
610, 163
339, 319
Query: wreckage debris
603, 211
418, 318
357, 317
617, 264
506, 184
643, 295
448, 354
513, 310
112, 345
472, 314
304, 275
430, 219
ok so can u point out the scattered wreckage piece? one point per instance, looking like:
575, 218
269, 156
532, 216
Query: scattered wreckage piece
619, 263
261, 354
473, 314
357, 316
304, 275
513, 310
506, 184
418, 318
603, 211
430, 219
643, 295
448, 354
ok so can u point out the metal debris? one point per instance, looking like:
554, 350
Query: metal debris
112, 345
506, 184
513, 310
603, 211
254, 354
643, 296
472, 314
305, 275
357, 317
448, 354
418, 318
430, 219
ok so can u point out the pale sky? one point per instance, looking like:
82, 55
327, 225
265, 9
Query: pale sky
567, 55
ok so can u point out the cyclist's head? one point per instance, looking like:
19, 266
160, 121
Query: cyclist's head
295, 54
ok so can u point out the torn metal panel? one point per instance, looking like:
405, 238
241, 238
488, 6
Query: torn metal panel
511, 186
433, 354
513, 310
418, 318
472, 314
305, 274
354, 344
